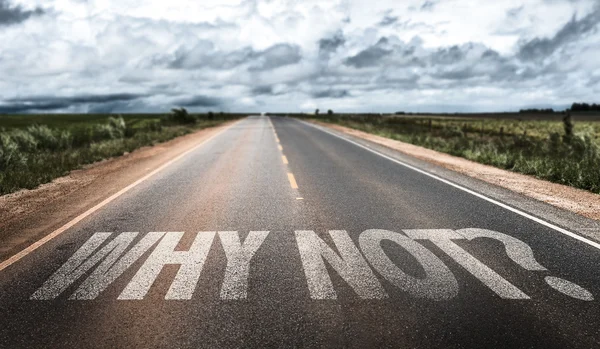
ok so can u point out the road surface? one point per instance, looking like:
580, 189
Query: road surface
277, 234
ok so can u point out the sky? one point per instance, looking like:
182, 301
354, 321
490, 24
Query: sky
111, 56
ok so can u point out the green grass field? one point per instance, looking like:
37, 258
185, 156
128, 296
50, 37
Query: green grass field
541, 148
35, 149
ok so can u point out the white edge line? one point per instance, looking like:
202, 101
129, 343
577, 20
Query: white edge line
481, 196
14, 258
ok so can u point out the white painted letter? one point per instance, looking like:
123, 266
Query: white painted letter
235, 284
439, 282
442, 238
191, 263
82, 261
350, 265
516, 249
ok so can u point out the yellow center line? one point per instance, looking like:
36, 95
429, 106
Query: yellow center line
280, 147
292, 181
285, 160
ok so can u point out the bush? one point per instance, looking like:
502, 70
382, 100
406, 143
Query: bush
10, 155
44, 136
118, 126
25, 140
114, 129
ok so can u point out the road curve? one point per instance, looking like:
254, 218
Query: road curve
277, 234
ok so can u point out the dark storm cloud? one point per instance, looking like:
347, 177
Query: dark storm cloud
10, 14
198, 101
331, 93
48, 103
572, 31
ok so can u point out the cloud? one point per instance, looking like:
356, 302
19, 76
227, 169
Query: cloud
428, 5
388, 20
198, 101
572, 31
330, 93
204, 55
262, 55
262, 90
276, 56
370, 56
327, 46
51, 103
14, 14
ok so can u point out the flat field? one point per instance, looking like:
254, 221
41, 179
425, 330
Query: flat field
544, 146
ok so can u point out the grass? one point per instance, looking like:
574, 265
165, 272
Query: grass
35, 149
544, 149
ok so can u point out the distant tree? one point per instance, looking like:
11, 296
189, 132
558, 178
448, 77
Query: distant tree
317, 112
536, 111
211, 115
583, 107
330, 112
182, 116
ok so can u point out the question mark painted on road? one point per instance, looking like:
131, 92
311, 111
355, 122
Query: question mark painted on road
520, 253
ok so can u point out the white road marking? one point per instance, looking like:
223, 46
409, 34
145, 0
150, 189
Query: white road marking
10, 261
516, 249
349, 264
568, 288
439, 282
442, 238
191, 263
481, 196
82, 261
111, 259
235, 284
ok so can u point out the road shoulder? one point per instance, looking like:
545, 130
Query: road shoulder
571, 208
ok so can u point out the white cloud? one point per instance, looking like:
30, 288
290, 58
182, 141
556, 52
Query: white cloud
278, 55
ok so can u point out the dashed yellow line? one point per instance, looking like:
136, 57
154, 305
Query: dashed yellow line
291, 177
292, 181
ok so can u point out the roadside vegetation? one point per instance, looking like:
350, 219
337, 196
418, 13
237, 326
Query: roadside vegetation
562, 151
35, 149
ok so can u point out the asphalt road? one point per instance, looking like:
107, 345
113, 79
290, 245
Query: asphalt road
291, 237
